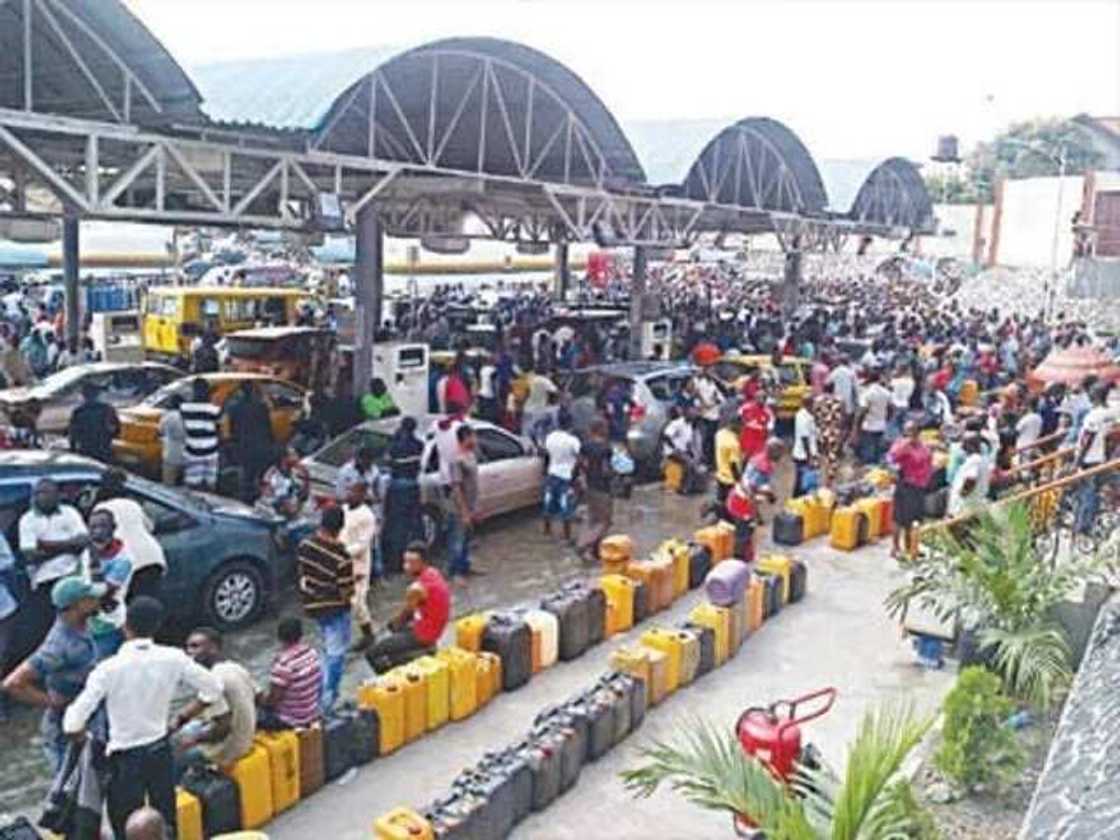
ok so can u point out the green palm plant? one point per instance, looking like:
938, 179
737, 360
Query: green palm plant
992, 576
709, 768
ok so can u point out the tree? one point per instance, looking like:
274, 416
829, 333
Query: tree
709, 768
952, 189
1006, 156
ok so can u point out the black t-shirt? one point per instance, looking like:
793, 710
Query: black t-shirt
598, 457
93, 425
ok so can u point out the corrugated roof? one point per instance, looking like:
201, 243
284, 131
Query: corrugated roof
290, 92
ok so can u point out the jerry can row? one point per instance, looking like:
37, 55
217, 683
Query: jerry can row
510, 637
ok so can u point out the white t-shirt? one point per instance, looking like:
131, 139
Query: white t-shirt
679, 436
134, 529
486, 382
972, 469
804, 435
62, 525
1095, 431
563, 453
1028, 429
539, 389
447, 443
902, 389
844, 383
876, 400
710, 398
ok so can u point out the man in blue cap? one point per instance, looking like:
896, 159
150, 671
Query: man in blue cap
56, 672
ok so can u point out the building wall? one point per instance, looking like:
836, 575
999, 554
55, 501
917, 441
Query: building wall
1027, 218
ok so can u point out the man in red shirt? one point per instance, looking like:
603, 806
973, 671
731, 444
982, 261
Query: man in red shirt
422, 619
757, 420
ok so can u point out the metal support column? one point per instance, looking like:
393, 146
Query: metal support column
70, 268
637, 301
369, 286
791, 279
562, 273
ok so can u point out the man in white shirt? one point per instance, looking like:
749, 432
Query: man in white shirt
137, 686
710, 398
134, 529
562, 449
1092, 451
843, 381
902, 389
51, 536
874, 409
360, 531
805, 451
1028, 429
967, 490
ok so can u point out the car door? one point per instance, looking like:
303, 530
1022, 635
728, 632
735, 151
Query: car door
510, 475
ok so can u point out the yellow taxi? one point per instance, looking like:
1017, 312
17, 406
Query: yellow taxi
791, 376
138, 446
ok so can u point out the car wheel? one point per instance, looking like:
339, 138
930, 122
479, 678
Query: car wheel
234, 595
431, 526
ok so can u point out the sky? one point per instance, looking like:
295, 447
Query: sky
852, 79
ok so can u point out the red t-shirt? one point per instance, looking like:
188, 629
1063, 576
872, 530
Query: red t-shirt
756, 428
914, 461
432, 615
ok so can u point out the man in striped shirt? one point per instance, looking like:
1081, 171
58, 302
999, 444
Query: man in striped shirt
295, 682
326, 587
200, 449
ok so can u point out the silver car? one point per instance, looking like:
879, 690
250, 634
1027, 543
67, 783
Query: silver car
510, 474
122, 384
652, 388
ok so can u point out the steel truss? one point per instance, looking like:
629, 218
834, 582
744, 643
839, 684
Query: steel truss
886, 196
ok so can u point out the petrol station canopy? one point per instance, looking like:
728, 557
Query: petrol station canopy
462, 136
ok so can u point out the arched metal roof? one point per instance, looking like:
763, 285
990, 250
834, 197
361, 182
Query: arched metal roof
887, 193
91, 59
757, 163
481, 105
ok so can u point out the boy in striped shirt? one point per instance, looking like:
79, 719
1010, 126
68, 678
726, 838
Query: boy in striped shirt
295, 682
200, 446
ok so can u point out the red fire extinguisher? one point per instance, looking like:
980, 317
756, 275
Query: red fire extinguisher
773, 735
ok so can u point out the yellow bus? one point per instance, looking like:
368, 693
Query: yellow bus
174, 316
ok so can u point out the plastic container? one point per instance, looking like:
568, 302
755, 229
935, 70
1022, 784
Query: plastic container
469, 630
849, 529
338, 737
494, 670
188, 816
709, 615
870, 508
727, 582
387, 698
510, 637
622, 706
599, 707
516, 770
699, 564
495, 791
635, 661
572, 612
596, 613
690, 655
438, 684
657, 576
736, 628
772, 594
543, 757
635, 689
253, 776
643, 603
219, 797
706, 637
756, 603
619, 592
886, 515
462, 681
788, 528
312, 771
666, 641
484, 682
780, 565
414, 682
545, 625
664, 574
365, 743
798, 581
615, 553
566, 728
283, 759
658, 676
402, 824
678, 551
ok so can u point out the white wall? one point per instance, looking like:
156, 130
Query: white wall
960, 219
1030, 207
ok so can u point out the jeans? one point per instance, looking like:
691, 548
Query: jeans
336, 643
54, 741
136, 774
559, 499
1088, 500
458, 545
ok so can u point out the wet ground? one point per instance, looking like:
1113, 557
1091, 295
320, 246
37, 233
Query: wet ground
838, 636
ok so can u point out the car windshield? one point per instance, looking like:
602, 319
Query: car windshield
162, 397
255, 348
342, 449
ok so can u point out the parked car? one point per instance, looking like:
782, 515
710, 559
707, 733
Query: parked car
653, 387
792, 376
510, 474
223, 557
138, 445
121, 383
